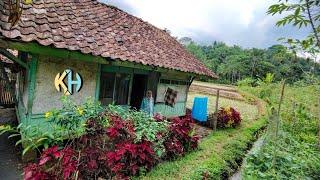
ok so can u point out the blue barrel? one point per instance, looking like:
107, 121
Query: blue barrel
200, 109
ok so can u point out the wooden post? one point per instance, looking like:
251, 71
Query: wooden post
216, 111
279, 107
294, 119
217, 100
278, 118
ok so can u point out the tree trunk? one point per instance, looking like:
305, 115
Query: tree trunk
312, 24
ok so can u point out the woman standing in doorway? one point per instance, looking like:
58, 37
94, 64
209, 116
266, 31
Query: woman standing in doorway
147, 104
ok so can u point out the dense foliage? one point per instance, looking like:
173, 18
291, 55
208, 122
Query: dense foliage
228, 117
302, 13
59, 124
181, 137
290, 151
233, 63
116, 142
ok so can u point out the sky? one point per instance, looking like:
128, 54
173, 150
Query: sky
235, 22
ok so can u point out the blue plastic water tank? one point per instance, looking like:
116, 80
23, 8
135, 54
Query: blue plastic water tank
200, 109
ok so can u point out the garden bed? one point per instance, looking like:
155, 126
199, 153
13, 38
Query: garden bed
88, 141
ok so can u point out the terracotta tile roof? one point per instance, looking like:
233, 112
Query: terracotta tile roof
101, 30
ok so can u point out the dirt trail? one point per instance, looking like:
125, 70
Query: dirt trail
10, 161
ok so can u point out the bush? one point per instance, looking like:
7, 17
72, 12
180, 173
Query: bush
228, 117
128, 158
247, 82
115, 145
181, 137
53, 164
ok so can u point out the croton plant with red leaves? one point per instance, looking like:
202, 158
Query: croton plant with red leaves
228, 117
112, 151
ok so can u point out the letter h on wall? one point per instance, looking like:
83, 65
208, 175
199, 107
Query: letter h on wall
68, 90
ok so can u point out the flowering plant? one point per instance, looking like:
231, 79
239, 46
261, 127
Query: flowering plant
228, 117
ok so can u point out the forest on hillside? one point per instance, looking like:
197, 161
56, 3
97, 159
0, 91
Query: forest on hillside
234, 63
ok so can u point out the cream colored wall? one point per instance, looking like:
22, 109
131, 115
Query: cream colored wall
162, 88
47, 97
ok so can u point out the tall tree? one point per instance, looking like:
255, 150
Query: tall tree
300, 13
233, 63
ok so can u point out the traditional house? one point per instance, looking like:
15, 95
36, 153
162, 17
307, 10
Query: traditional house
114, 57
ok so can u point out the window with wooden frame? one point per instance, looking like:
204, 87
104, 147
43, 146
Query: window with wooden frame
114, 88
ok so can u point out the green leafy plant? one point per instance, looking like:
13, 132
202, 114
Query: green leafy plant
63, 124
71, 116
113, 147
291, 151
246, 82
228, 117
145, 126
31, 137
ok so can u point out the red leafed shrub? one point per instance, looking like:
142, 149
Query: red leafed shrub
53, 164
127, 158
69, 162
173, 147
158, 117
92, 148
116, 148
120, 129
194, 142
181, 138
228, 117
48, 154
34, 172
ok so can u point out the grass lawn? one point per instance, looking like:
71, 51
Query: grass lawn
220, 153
248, 111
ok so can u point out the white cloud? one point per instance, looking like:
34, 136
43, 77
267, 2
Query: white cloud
242, 22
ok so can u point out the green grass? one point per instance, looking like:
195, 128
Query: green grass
306, 95
248, 111
292, 154
216, 156
220, 153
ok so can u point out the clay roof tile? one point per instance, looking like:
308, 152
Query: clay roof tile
101, 30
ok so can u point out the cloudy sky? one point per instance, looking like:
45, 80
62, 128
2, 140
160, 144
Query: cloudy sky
240, 22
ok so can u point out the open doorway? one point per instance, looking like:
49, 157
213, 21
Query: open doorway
139, 88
